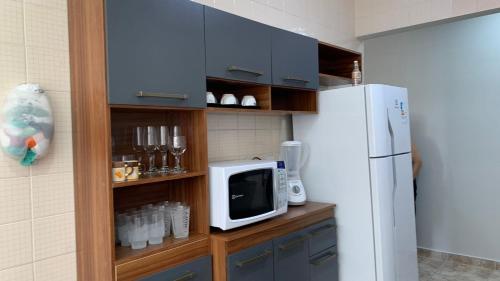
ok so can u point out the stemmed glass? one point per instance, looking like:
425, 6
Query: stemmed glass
151, 144
164, 149
177, 147
138, 145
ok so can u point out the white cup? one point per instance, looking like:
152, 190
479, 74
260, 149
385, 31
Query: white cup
211, 98
249, 101
229, 99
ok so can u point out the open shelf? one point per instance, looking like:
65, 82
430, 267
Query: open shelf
134, 264
337, 61
159, 179
219, 87
293, 100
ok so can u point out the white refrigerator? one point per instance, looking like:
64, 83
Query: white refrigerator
359, 150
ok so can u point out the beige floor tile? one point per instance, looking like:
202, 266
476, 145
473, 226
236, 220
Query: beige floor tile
18, 273
495, 276
58, 4
12, 67
52, 195
48, 67
15, 245
60, 268
14, 200
54, 236
457, 271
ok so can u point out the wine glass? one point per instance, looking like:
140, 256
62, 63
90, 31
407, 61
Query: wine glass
151, 145
138, 145
177, 147
164, 149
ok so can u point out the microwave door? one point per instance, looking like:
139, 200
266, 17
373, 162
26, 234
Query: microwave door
251, 194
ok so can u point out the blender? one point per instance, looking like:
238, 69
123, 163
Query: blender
291, 153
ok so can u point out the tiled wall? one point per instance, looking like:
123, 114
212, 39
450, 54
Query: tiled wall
373, 16
330, 21
244, 136
37, 233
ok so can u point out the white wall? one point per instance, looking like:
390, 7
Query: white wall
330, 21
452, 74
374, 16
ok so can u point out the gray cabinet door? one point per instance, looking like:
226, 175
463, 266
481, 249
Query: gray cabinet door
237, 48
253, 264
291, 257
324, 266
198, 270
322, 236
155, 47
295, 60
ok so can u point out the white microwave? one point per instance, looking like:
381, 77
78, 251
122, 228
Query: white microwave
245, 192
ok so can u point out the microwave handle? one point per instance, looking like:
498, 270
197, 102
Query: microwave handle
276, 188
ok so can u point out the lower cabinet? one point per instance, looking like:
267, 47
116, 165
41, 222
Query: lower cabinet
197, 270
291, 257
309, 254
323, 266
252, 264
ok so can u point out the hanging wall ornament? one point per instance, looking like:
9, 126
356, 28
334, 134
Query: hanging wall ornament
27, 125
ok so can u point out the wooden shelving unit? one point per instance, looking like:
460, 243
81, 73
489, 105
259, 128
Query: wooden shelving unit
336, 64
159, 179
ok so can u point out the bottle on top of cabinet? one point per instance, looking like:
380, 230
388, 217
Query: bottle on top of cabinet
356, 74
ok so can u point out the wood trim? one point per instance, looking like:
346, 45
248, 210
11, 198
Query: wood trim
297, 218
91, 141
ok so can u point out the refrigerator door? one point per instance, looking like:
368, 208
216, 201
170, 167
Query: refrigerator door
388, 120
394, 218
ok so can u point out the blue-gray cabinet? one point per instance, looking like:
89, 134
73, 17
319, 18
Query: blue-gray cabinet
252, 264
197, 270
291, 257
294, 60
237, 48
322, 236
324, 266
155, 53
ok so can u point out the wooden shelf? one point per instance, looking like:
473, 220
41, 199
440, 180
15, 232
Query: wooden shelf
133, 264
337, 61
327, 80
159, 179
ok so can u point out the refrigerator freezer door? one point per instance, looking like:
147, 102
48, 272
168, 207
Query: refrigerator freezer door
394, 218
388, 120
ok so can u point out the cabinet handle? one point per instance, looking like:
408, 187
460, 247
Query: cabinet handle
322, 229
292, 244
187, 276
296, 79
241, 69
262, 256
323, 259
142, 94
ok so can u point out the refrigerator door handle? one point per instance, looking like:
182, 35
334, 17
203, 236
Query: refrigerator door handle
391, 131
394, 189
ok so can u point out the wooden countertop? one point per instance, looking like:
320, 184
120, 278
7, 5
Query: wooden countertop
297, 217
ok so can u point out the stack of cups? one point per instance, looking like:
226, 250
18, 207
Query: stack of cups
152, 223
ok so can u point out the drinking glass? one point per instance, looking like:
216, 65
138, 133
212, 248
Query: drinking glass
177, 146
139, 232
138, 146
164, 149
123, 229
150, 146
180, 221
156, 226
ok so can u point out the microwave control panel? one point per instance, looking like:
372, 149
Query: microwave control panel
282, 185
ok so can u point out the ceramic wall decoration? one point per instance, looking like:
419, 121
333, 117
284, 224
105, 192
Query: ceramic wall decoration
27, 124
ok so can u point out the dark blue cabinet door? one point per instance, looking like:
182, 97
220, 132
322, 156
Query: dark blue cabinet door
324, 266
295, 60
237, 48
198, 270
155, 47
322, 236
253, 264
291, 257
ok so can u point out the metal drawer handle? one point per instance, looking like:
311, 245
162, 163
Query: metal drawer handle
296, 79
323, 229
188, 276
262, 256
323, 259
292, 244
241, 69
142, 94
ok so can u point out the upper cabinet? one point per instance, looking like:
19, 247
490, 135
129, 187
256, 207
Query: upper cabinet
237, 48
156, 53
294, 60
